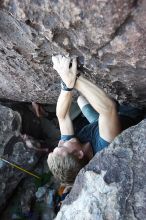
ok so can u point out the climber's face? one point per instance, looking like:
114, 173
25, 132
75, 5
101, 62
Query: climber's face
74, 147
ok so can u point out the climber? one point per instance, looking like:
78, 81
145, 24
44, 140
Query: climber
75, 150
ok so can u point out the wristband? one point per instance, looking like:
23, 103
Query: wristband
65, 88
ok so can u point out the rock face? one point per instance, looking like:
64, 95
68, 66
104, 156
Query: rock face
108, 36
112, 185
13, 149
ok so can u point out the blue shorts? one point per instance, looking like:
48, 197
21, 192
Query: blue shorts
90, 114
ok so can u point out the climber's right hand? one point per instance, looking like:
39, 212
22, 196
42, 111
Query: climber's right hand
62, 65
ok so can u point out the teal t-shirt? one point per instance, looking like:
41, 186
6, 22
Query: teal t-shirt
89, 133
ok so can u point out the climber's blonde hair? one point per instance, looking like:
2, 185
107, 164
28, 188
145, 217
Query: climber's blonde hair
65, 168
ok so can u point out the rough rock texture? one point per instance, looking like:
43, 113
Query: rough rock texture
14, 149
112, 185
108, 36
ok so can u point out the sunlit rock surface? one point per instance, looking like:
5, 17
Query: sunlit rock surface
108, 36
112, 185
